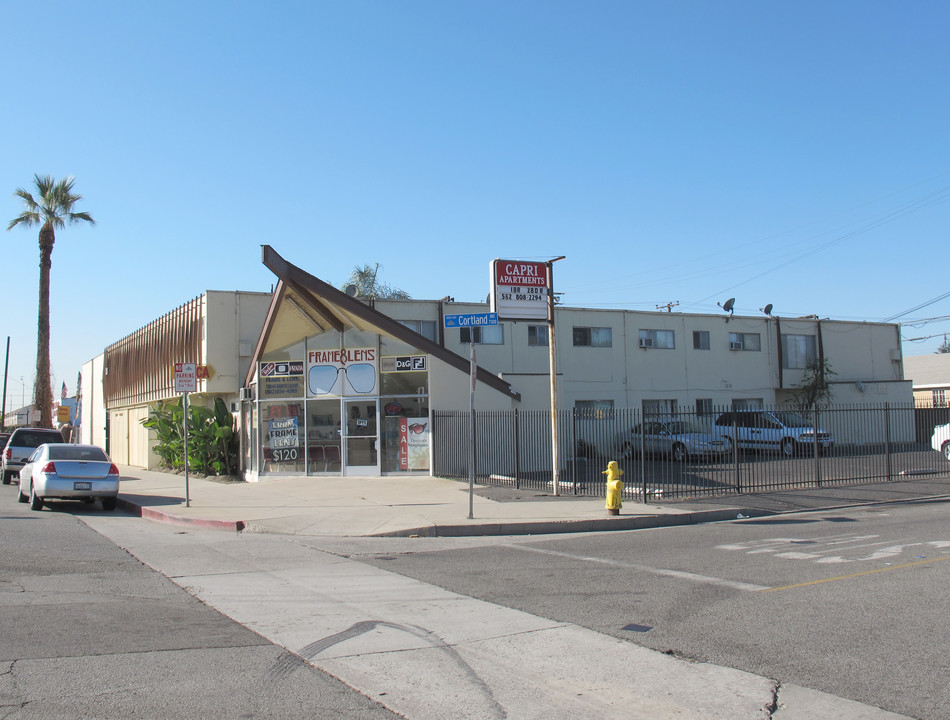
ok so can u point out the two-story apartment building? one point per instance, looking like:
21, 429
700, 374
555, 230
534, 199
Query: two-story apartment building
328, 383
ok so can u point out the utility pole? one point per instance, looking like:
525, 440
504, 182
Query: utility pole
552, 354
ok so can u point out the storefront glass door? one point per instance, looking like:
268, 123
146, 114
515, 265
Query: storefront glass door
361, 437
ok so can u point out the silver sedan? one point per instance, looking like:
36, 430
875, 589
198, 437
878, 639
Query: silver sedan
677, 439
66, 471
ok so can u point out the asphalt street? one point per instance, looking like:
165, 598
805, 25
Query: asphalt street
849, 601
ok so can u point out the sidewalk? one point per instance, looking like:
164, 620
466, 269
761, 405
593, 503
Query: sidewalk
428, 506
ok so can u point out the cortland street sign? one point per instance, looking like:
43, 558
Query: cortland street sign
471, 320
519, 289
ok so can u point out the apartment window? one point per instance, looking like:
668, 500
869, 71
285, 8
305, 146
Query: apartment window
799, 351
939, 398
593, 337
426, 328
704, 407
538, 335
747, 404
657, 339
483, 335
593, 406
700, 340
745, 341
663, 408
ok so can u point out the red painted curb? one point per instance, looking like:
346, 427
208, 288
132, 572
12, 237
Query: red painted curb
168, 518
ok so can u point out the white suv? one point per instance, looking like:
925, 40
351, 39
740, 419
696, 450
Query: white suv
781, 430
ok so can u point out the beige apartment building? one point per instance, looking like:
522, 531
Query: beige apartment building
324, 383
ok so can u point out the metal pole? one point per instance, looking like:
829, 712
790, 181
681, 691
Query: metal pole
185, 421
471, 427
6, 368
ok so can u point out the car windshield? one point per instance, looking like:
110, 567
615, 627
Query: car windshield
681, 427
790, 419
76, 452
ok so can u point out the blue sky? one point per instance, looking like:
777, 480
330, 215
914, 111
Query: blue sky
792, 153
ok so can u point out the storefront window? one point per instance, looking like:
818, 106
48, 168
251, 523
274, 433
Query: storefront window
404, 435
282, 428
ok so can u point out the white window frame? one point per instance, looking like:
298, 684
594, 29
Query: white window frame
483, 335
701, 340
538, 336
799, 351
599, 337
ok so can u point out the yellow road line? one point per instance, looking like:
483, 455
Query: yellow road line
859, 574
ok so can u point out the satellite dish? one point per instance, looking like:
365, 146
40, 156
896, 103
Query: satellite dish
352, 290
728, 305
768, 309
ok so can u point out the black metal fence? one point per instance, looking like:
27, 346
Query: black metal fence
689, 454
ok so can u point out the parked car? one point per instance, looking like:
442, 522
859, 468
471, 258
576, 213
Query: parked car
940, 440
22, 443
780, 430
64, 471
677, 439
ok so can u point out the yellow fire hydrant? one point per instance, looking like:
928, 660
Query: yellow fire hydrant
614, 487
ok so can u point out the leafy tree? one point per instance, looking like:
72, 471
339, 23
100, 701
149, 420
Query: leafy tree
52, 209
367, 282
814, 389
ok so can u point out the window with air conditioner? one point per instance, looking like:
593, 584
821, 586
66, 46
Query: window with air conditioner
663, 339
745, 341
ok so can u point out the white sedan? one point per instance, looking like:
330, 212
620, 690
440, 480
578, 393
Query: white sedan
940, 441
65, 471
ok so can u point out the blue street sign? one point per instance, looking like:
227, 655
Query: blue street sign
471, 320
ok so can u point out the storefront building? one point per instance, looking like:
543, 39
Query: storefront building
336, 387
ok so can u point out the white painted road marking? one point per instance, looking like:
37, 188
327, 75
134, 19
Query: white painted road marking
679, 574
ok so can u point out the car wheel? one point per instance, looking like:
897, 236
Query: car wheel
788, 447
6, 477
108, 504
679, 453
945, 449
21, 497
36, 502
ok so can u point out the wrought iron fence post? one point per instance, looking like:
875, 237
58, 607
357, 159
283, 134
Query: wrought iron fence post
574, 447
735, 450
643, 456
887, 439
817, 454
517, 452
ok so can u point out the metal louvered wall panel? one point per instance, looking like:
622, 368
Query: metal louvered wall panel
139, 368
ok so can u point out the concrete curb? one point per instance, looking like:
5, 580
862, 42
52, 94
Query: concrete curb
170, 519
551, 527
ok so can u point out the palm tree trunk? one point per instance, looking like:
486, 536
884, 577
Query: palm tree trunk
42, 394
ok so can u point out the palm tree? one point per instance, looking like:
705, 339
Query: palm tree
52, 210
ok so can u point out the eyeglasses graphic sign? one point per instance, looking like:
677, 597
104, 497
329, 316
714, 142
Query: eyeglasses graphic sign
355, 379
